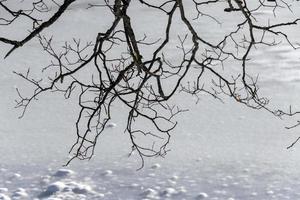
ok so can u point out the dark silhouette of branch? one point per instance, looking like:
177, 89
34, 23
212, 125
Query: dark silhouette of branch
138, 80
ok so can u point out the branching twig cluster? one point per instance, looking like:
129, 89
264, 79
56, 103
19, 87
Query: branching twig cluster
137, 79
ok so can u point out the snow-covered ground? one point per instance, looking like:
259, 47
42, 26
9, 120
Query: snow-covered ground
221, 151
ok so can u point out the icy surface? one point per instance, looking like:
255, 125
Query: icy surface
220, 152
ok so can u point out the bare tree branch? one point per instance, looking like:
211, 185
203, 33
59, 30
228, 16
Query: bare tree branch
139, 80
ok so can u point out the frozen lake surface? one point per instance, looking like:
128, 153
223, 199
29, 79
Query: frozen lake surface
218, 151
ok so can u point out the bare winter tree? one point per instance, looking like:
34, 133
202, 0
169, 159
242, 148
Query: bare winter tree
124, 73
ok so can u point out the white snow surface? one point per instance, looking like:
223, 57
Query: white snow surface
63, 173
218, 152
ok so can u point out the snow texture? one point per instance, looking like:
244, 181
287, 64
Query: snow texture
218, 151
